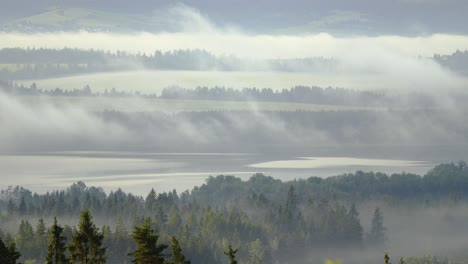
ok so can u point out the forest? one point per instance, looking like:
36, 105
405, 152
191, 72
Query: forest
296, 94
35, 63
261, 220
30, 63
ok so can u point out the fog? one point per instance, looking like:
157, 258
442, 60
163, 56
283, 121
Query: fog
412, 231
49, 141
48, 124
117, 143
395, 62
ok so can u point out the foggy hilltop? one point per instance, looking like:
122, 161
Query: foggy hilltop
233, 132
402, 17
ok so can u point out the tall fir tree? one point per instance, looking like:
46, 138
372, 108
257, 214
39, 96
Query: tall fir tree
377, 236
40, 240
353, 228
24, 239
86, 243
8, 254
256, 252
147, 249
387, 259
177, 256
231, 254
57, 246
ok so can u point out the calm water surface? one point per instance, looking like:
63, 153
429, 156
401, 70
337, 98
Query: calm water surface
139, 172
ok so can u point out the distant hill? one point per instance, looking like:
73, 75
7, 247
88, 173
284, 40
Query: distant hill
73, 19
409, 18
457, 62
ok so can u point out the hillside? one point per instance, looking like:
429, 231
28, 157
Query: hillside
73, 19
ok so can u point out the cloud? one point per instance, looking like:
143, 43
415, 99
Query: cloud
189, 28
183, 18
45, 125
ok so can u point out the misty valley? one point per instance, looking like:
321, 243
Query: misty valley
212, 132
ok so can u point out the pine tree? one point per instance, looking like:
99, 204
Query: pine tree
147, 250
86, 243
150, 200
387, 259
353, 228
40, 240
231, 254
57, 247
24, 239
289, 214
177, 256
256, 252
8, 254
377, 234
22, 207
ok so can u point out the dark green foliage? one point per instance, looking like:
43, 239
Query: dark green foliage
86, 242
119, 243
40, 240
256, 252
147, 249
387, 259
377, 236
57, 247
8, 254
150, 200
24, 240
231, 254
268, 219
177, 255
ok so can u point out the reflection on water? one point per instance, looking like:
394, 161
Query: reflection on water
322, 162
139, 172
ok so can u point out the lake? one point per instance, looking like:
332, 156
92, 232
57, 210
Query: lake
139, 172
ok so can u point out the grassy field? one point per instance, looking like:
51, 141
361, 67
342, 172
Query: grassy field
137, 104
19, 66
154, 81
87, 18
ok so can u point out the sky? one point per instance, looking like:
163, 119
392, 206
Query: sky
396, 56
347, 17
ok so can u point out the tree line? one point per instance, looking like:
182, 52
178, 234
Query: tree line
32, 63
86, 245
29, 63
296, 94
457, 61
265, 219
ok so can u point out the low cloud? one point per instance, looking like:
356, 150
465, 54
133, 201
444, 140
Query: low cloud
388, 57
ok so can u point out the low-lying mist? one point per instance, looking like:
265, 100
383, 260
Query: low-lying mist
390, 58
47, 124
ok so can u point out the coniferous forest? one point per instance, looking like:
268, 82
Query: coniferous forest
240, 132
226, 220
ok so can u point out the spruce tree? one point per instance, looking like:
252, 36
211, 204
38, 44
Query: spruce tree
57, 247
147, 249
256, 252
40, 240
86, 242
377, 234
387, 259
177, 256
8, 254
353, 228
231, 254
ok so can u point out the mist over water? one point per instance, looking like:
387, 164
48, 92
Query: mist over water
139, 172
137, 141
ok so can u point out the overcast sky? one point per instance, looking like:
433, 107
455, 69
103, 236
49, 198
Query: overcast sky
368, 17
